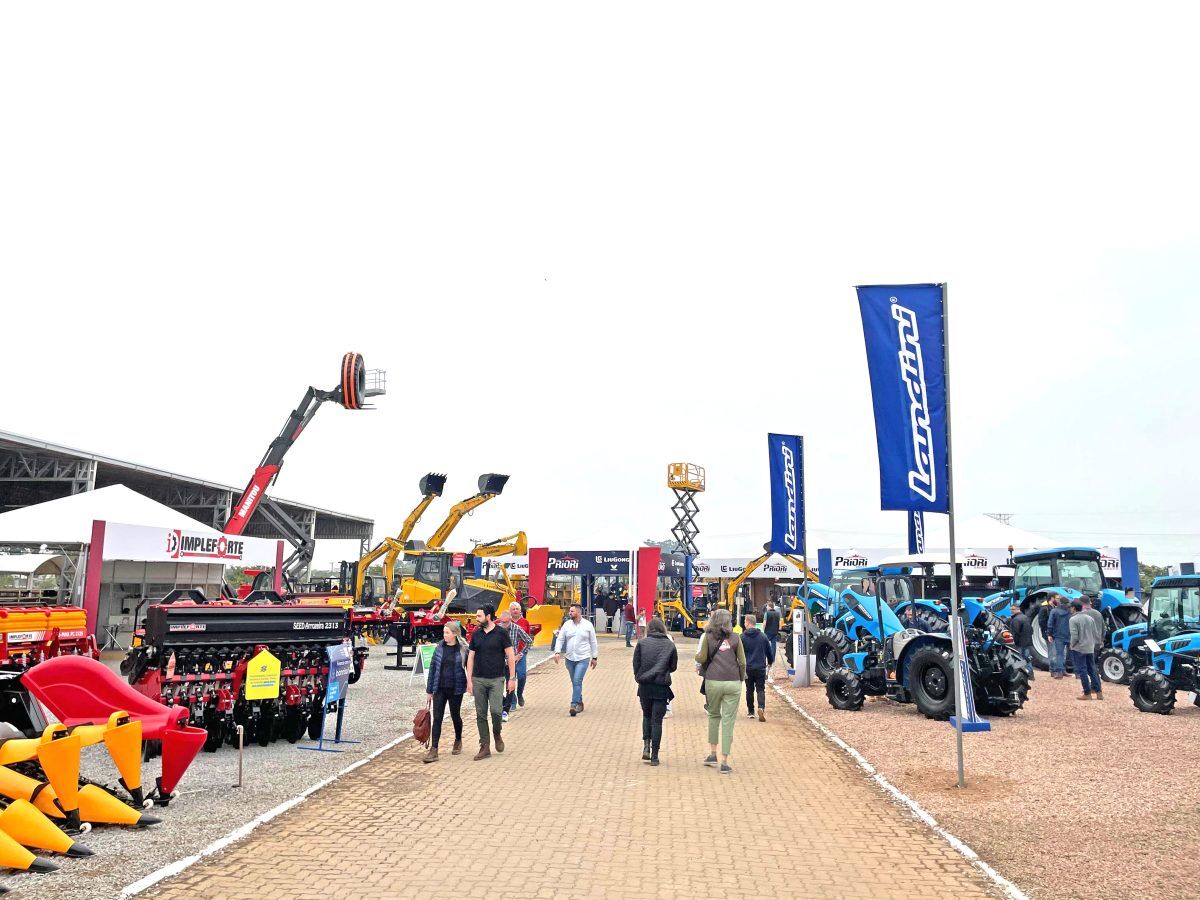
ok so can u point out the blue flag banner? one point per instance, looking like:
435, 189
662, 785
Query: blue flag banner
916, 532
905, 334
787, 493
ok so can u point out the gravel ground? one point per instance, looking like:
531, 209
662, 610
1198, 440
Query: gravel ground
380, 708
1068, 799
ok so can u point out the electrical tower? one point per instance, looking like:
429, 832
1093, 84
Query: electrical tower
686, 480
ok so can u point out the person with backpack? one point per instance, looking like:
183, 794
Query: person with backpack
760, 653
654, 659
722, 662
445, 684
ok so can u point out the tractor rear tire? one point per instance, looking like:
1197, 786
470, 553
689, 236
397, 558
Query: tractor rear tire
931, 683
935, 624
1014, 679
844, 690
829, 646
1116, 666
1152, 692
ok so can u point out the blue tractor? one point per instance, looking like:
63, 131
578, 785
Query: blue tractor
1172, 643
1127, 651
912, 666
1068, 573
828, 604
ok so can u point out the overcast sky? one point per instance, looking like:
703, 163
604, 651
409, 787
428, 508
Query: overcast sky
585, 244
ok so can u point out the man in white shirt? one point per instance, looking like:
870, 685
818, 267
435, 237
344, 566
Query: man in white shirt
577, 641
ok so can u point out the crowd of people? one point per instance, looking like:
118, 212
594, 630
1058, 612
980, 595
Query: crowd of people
492, 668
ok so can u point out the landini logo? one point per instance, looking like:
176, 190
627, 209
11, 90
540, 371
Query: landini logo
921, 477
789, 484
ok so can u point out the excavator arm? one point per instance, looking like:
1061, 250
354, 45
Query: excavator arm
753, 566
490, 486
509, 545
431, 486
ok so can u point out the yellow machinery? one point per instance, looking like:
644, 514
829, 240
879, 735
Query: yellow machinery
437, 571
751, 567
431, 486
490, 485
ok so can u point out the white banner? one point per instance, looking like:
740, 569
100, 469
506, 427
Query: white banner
141, 542
724, 567
980, 561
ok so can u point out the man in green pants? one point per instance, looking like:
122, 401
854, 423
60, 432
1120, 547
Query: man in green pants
491, 653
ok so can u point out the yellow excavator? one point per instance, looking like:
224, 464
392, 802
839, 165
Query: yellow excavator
437, 571
729, 601
490, 485
366, 591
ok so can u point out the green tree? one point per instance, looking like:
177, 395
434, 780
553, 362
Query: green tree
1147, 573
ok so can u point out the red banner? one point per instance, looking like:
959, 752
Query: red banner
539, 558
648, 559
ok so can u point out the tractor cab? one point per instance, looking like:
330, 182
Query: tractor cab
1172, 645
1174, 606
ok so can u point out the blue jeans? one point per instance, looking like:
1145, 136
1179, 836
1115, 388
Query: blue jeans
1085, 668
577, 668
1058, 658
510, 700
628, 634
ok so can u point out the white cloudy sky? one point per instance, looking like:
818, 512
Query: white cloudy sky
586, 241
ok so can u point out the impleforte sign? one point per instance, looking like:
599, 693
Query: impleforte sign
186, 545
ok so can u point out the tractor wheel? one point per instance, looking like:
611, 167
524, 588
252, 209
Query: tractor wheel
935, 624
829, 646
1041, 649
1116, 666
931, 683
1013, 681
1152, 692
844, 690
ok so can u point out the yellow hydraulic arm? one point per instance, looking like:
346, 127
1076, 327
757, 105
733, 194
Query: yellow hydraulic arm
431, 486
490, 486
511, 544
753, 566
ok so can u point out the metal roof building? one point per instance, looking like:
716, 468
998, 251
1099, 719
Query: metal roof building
33, 471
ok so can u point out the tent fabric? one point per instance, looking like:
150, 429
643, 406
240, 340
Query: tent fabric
68, 520
982, 531
33, 564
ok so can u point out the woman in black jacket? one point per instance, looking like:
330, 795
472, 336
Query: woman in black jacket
654, 659
445, 685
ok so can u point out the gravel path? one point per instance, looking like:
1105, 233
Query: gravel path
380, 708
1068, 799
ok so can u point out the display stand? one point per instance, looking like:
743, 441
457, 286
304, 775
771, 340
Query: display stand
341, 660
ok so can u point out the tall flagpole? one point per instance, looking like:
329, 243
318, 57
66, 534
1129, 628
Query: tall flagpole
954, 616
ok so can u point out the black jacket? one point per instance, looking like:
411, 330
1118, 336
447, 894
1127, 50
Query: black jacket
771, 620
1022, 630
760, 651
654, 659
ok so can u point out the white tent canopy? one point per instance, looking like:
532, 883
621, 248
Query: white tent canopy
33, 564
982, 531
68, 520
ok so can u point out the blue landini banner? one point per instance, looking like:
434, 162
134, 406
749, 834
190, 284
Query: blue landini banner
787, 493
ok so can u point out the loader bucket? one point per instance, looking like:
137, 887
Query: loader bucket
432, 483
27, 826
179, 748
492, 483
14, 856
124, 743
59, 759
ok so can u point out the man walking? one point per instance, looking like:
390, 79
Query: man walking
1084, 640
1058, 636
630, 621
1021, 628
760, 652
577, 641
491, 653
518, 633
772, 620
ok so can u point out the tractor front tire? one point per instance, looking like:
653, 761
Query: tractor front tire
931, 683
1116, 666
829, 646
1014, 681
844, 690
1152, 692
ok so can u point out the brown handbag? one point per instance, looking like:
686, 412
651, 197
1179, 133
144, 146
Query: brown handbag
422, 724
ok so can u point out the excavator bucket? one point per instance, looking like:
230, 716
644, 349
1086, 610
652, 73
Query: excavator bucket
432, 483
123, 738
58, 756
179, 748
30, 828
492, 483
14, 856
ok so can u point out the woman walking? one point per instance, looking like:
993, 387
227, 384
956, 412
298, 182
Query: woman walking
723, 667
445, 685
654, 659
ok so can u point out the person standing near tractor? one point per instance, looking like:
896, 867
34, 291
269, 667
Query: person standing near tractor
772, 621
760, 653
1084, 640
577, 641
1098, 623
630, 621
445, 685
491, 653
722, 660
521, 642
654, 659
1021, 628
1058, 637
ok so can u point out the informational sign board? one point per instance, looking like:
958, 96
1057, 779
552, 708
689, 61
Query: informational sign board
341, 661
458, 560
141, 542
425, 656
697, 591
262, 677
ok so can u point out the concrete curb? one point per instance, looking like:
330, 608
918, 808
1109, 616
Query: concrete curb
918, 812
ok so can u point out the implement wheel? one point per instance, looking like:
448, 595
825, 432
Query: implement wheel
829, 646
844, 690
931, 683
1116, 666
1152, 692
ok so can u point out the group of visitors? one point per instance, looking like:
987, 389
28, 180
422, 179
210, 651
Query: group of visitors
491, 667
1075, 627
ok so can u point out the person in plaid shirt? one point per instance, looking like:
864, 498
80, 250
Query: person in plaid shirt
518, 633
